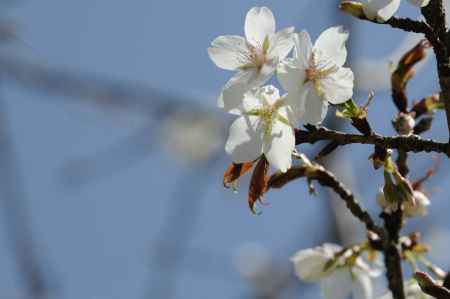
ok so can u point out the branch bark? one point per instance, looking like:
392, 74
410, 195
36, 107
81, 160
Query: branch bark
411, 143
434, 15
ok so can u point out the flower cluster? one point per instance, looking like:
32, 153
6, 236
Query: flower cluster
313, 77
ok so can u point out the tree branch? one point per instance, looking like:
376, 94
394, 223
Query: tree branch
327, 179
434, 14
411, 143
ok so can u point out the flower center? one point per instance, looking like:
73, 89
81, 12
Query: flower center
268, 115
256, 56
317, 72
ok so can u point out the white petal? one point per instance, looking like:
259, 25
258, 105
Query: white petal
291, 76
231, 97
388, 295
296, 104
278, 150
259, 24
255, 98
309, 264
419, 3
303, 48
245, 139
362, 285
332, 43
338, 285
281, 43
228, 51
419, 208
269, 92
315, 108
338, 86
380, 10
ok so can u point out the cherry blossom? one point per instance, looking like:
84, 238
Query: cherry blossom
327, 264
315, 76
380, 10
412, 208
254, 57
263, 127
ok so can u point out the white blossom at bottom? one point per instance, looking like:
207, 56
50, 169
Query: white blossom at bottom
337, 280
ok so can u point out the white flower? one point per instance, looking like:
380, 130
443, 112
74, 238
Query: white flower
411, 208
310, 263
337, 280
404, 123
315, 76
412, 291
388, 206
263, 127
419, 3
419, 208
380, 10
254, 58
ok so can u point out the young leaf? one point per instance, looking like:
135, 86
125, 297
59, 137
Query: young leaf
235, 171
258, 183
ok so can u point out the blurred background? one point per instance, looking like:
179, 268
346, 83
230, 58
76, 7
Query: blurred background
111, 153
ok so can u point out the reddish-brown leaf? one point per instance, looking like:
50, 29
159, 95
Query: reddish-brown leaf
258, 183
235, 171
405, 72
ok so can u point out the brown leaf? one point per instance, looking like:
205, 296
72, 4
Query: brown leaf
235, 171
258, 183
427, 105
404, 72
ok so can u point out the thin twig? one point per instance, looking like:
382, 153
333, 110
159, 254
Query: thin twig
328, 179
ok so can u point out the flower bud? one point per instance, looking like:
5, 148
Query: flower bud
352, 7
419, 208
404, 188
388, 205
404, 124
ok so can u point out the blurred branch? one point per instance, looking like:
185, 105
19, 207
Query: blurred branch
16, 216
119, 156
115, 94
180, 223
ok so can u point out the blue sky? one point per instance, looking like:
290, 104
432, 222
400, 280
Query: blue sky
99, 239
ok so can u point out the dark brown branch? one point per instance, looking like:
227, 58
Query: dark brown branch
434, 14
407, 24
327, 179
392, 259
411, 143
